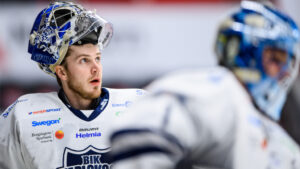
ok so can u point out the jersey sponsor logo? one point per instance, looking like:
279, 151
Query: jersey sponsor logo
89, 158
88, 135
43, 137
9, 109
88, 129
59, 134
45, 123
126, 104
88, 132
44, 111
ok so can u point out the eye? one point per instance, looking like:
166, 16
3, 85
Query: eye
98, 59
83, 60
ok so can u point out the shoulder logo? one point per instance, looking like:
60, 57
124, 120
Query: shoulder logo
88, 158
9, 109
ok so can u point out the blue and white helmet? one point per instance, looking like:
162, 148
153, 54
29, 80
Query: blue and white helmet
60, 25
242, 45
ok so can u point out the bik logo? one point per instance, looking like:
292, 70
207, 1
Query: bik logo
89, 158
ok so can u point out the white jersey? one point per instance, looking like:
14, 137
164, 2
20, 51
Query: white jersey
42, 131
200, 118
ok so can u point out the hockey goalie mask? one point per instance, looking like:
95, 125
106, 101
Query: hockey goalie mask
63, 24
261, 46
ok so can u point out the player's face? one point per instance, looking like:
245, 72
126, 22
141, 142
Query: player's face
274, 60
84, 71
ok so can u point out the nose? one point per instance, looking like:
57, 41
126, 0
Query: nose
96, 67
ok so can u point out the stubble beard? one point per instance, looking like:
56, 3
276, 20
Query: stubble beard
78, 89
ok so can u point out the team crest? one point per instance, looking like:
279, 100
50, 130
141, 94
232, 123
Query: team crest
89, 158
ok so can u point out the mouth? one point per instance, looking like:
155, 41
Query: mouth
95, 82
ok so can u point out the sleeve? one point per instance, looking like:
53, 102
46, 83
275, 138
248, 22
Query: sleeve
155, 133
193, 123
10, 154
167, 130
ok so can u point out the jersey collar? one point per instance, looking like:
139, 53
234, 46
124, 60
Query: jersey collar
99, 105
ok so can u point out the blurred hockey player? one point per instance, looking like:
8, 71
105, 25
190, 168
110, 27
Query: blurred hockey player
224, 116
69, 128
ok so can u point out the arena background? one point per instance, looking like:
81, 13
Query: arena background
151, 38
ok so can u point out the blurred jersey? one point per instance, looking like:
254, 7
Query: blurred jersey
42, 131
200, 118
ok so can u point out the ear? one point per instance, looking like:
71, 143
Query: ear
61, 72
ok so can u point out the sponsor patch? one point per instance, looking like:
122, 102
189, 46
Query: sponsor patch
43, 137
45, 111
126, 104
45, 123
59, 134
88, 129
88, 133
